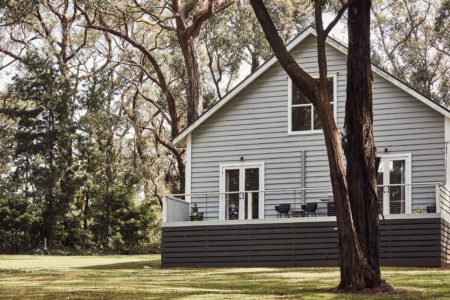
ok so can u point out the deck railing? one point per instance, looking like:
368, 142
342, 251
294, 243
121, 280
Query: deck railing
395, 199
444, 200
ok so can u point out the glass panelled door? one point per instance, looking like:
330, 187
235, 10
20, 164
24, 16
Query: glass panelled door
394, 174
232, 196
240, 199
251, 199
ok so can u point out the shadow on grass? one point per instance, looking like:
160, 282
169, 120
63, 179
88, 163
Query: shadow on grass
135, 265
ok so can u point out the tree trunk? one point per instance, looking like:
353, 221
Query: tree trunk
352, 260
359, 147
194, 79
86, 209
181, 174
358, 240
255, 61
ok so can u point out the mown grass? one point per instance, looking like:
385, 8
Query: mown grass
124, 277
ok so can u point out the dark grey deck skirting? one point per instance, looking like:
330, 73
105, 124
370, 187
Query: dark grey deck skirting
404, 242
445, 242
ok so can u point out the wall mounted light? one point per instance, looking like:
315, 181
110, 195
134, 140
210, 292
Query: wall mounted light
242, 158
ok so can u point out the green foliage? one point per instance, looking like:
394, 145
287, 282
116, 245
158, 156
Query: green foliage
72, 166
234, 38
411, 39
40, 104
19, 222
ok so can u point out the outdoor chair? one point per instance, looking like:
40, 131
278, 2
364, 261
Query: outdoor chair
310, 208
283, 209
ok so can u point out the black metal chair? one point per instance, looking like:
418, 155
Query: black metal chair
283, 209
310, 208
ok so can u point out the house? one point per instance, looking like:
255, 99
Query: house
260, 149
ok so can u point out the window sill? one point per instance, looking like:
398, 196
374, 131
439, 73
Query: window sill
311, 132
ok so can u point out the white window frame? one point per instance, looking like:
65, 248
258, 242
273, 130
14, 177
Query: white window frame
312, 131
242, 165
408, 178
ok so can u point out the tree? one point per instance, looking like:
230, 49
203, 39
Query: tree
250, 48
38, 103
50, 31
19, 222
354, 189
159, 50
411, 41
108, 201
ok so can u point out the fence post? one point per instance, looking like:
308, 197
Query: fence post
438, 198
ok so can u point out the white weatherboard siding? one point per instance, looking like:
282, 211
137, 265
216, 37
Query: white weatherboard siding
254, 125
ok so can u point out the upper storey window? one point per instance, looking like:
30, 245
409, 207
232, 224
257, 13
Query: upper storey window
302, 117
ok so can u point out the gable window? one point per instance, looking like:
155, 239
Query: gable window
302, 117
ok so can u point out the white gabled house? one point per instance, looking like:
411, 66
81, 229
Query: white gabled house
260, 151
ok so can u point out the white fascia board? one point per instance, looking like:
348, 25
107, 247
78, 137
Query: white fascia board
447, 152
177, 141
188, 168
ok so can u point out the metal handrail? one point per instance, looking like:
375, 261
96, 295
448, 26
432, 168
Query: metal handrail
441, 201
299, 189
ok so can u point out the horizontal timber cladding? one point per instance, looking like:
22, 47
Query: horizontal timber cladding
404, 242
254, 126
445, 241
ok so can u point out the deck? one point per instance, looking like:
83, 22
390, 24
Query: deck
416, 239
302, 242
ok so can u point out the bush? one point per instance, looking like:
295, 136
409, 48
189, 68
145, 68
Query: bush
18, 224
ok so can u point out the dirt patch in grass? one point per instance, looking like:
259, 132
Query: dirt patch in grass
384, 290
55, 276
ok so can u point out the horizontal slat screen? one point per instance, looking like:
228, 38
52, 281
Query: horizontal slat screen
445, 242
404, 242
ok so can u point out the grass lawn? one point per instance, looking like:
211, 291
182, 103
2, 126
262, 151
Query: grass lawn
123, 277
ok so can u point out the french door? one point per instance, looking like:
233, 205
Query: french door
394, 177
239, 186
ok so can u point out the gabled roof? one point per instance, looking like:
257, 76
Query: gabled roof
292, 44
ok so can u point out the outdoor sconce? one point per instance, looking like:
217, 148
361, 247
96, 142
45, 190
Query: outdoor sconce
385, 149
242, 158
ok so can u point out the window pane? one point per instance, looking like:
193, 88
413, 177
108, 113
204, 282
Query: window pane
397, 192
298, 97
330, 87
251, 199
317, 124
232, 199
301, 118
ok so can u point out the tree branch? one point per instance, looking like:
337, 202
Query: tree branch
337, 18
305, 82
